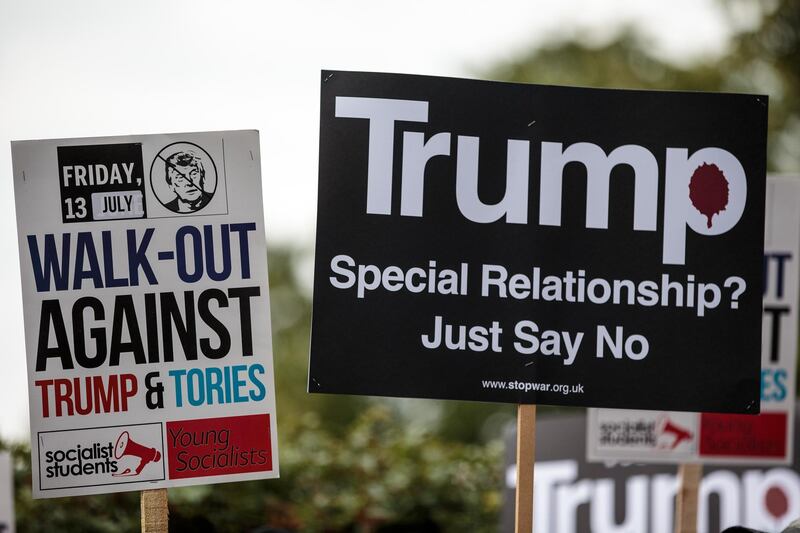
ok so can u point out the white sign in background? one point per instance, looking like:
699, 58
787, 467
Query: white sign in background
7, 521
660, 436
575, 496
146, 308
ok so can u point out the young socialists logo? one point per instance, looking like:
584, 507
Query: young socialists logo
219, 446
183, 177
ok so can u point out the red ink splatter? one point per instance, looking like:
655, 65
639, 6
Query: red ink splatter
708, 190
776, 502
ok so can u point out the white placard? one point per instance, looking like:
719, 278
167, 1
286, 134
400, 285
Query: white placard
146, 307
7, 521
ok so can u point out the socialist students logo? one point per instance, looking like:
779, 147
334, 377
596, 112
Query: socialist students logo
91, 457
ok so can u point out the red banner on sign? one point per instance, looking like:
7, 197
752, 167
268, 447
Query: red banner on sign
761, 435
219, 446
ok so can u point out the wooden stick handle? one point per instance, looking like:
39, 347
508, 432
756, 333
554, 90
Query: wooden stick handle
155, 512
689, 476
526, 454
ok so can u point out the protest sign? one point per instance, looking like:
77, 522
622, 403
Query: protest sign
575, 496
7, 523
146, 309
534, 244
656, 436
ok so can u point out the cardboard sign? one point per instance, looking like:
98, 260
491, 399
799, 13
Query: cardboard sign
7, 522
574, 496
146, 306
535, 244
654, 436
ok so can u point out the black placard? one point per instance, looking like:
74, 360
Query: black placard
633, 220
101, 182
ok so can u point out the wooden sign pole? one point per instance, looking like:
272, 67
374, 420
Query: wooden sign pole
155, 513
526, 454
689, 475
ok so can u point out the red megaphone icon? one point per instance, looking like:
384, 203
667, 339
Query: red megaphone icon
679, 434
126, 446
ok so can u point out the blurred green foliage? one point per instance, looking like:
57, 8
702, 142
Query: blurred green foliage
762, 60
363, 465
383, 473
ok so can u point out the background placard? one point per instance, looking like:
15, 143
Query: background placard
655, 436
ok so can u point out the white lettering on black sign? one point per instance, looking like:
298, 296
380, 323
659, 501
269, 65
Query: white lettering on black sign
523, 243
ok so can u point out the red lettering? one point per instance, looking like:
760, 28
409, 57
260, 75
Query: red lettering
87, 395
104, 397
129, 388
63, 396
44, 384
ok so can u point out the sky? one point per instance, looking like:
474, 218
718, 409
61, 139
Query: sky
91, 68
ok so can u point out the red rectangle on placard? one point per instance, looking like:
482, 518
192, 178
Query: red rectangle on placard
762, 436
219, 446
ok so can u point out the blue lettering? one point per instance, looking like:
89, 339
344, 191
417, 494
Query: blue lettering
244, 248
195, 394
214, 385
238, 383
773, 385
197, 253
227, 371
43, 272
108, 263
226, 253
137, 257
219, 385
177, 374
261, 391
85, 248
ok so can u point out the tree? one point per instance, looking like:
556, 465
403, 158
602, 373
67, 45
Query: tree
764, 60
